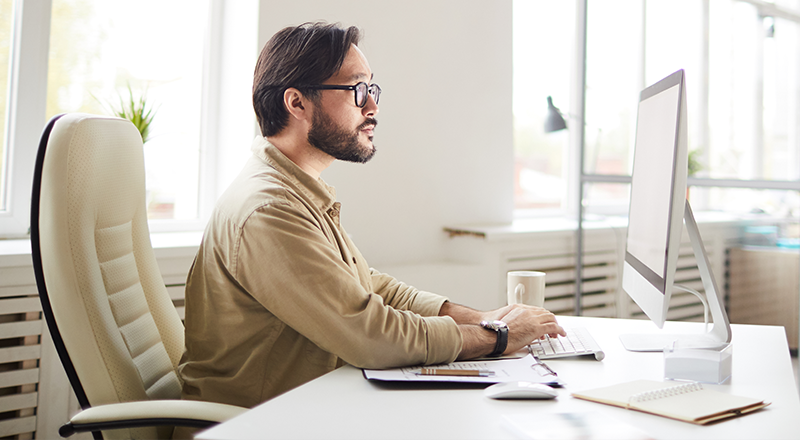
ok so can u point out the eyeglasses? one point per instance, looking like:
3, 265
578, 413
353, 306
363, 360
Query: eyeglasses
362, 89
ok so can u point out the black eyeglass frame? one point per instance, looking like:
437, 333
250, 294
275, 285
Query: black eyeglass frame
372, 89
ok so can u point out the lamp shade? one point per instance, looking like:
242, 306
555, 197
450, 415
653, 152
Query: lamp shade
554, 121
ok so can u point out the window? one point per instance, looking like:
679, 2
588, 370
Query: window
105, 54
193, 60
742, 63
543, 35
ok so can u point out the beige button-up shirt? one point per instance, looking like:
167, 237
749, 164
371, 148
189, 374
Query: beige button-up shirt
278, 294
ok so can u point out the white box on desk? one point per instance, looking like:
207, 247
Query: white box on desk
699, 364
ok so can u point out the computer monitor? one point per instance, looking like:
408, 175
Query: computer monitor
658, 209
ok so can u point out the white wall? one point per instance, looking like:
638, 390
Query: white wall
444, 137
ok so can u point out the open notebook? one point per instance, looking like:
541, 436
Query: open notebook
689, 402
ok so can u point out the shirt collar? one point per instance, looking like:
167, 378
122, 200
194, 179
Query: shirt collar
322, 194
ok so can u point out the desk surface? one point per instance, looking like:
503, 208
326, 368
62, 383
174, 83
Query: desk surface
342, 404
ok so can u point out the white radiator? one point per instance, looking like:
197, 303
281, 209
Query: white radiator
600, 280
31, 375
602, 295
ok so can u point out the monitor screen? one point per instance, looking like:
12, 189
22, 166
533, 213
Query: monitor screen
652, 186
658, 196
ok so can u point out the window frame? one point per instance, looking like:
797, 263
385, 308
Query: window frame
581, 178
575, 154
27, 96
226, 115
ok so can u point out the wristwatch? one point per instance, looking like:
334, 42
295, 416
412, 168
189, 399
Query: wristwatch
502, 335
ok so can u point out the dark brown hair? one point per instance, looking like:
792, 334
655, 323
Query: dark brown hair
298, 56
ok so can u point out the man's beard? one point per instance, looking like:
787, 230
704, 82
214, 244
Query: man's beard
327, 137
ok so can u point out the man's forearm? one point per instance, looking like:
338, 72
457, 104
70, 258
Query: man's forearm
477, 342
461, 314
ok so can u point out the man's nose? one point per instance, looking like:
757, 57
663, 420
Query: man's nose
371, 107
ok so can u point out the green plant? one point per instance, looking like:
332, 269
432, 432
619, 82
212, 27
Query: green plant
139, 111
694, 163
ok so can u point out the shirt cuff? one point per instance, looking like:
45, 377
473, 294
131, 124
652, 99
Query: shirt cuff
444, 340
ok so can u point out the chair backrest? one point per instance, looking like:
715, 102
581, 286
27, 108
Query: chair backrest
115, 328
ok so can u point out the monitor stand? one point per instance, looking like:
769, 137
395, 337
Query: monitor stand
720, 333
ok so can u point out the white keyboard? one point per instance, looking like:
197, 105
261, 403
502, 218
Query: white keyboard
578, 342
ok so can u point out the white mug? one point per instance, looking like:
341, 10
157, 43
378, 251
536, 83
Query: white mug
526, 287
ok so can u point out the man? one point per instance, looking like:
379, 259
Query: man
278, 294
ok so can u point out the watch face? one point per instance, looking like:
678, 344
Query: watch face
493, 325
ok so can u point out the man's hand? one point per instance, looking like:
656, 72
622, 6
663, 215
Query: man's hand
525, 324
528, 323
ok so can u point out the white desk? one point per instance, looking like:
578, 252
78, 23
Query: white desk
342, 404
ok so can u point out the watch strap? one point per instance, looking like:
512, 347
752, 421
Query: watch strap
502, 341
501, 329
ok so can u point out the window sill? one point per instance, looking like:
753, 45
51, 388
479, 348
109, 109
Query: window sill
531, 227
18, 251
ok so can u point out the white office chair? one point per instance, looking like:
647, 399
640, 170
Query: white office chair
116, 331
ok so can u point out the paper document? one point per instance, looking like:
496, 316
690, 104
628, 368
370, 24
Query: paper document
526, 368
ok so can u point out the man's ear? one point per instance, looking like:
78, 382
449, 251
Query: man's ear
296, 104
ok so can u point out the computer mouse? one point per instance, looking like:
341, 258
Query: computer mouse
520, 390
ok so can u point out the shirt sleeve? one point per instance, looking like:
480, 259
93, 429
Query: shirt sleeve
404, 297
286, 262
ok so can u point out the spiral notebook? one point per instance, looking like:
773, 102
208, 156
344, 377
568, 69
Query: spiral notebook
689, 402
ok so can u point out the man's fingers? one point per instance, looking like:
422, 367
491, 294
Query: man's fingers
542, 315
559, 331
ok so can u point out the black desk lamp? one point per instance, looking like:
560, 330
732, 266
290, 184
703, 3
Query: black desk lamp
554, 121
